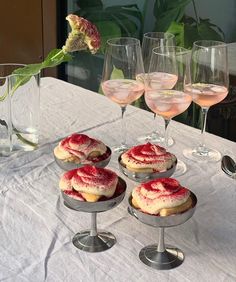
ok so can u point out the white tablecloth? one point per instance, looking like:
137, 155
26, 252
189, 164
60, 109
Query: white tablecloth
36, 228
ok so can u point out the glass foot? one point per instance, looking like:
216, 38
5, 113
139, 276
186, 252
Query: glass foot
161, 141
98, 243
208, 155
145, 138
170, 258
120, 149
181, 168
155, 138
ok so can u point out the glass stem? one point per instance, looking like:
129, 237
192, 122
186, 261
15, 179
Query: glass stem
161, 244
93, 231
123, 126
203, 129
167, 121
154, 125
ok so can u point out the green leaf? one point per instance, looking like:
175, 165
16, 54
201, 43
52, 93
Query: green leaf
189, 31
28, 70
131, 11
117, 74
206, 30
91, 3
127, 18
54, 58
24, 74
191, 34
168, 11
106, 28
127, 27
178, 30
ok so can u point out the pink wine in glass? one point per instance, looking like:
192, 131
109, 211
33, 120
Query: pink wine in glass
123, 91
206, 95
158, 80
168, 103
161, 80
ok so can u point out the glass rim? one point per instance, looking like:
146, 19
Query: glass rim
182, 51
216, 43
168, 35
15, 74
133, 41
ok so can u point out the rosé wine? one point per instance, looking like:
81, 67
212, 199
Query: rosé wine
123, 91
206, 95
158, 80
167, 103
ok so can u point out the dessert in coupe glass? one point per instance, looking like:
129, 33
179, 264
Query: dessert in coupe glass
208, 86
150, 41
162, 203
147, 161
78, 150
170, 99
122, 64
92, 190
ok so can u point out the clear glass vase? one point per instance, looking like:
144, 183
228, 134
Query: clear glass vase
20, 98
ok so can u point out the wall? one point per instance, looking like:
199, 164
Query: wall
220, 12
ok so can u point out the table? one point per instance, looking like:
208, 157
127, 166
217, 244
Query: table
36, 228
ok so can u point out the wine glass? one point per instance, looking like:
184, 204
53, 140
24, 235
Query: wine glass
150, 41
208, 86
169, 100
122, 64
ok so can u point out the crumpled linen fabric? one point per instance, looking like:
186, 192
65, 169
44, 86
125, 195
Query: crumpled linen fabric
36, 229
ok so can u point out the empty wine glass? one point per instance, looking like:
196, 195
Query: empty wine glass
150, 41
208, 86
122, 64
169, 100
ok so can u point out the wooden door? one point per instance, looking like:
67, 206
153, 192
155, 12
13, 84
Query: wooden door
28, 31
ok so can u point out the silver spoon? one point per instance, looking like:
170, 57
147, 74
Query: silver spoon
228, 165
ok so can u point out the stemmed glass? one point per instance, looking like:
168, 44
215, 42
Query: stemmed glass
150, 41
170, 99
208, 86
122, 65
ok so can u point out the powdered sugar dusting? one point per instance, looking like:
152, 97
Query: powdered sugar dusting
160, 193
90, 179
78, 147
148, 155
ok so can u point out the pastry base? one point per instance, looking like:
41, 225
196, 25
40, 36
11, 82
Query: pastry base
169, 211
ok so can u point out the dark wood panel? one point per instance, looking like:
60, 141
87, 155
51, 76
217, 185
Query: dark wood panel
21, 36
28, 31
49, 17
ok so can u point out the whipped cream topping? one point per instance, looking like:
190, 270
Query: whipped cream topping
158, 194
148, 156
90, 179
78, 147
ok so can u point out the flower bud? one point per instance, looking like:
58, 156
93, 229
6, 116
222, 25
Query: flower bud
83, 35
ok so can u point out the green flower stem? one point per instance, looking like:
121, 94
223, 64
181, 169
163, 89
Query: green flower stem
57, 54
22, 139
15, 87
195, 11
23, 75
2, 98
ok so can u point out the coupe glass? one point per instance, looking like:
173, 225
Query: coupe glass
169, 100
123, 63
208, 86
150, 41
